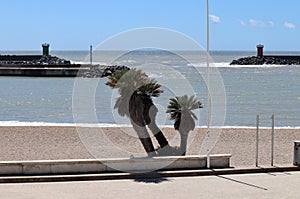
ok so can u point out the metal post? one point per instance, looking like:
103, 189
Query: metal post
91, 54
208, 77
297, 153
272, 144
257, 140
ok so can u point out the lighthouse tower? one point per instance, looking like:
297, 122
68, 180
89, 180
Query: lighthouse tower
45, 49
260, 50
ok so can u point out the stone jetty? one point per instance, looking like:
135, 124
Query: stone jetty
270, 59
46, 65
32, 61
96, 71
261, 59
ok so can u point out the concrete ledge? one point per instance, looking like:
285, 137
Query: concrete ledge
133, 165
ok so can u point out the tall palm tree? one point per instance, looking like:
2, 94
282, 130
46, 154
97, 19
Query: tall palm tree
136, 90
181, 110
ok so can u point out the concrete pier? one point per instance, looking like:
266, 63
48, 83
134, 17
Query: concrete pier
43, 65
46, 65
57, 71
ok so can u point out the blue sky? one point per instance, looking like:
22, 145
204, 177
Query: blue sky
74, 25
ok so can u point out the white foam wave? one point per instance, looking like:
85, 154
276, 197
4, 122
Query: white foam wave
198, 65
227, 65
218, 65
250, 127
85, 63
18, 123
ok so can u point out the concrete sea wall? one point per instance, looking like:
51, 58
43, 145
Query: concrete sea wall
72, 70
39, 72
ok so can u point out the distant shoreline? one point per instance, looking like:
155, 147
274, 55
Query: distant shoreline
106, 125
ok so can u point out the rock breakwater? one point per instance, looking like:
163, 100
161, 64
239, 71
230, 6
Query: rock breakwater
100, 71
274, 60
31, 60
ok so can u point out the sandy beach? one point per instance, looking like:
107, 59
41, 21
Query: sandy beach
49, 142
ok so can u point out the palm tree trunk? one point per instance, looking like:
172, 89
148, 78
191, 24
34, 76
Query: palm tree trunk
144, 138
183, 143
148, 146
161, 139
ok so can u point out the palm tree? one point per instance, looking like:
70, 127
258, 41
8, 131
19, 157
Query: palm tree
181, 110
136, 90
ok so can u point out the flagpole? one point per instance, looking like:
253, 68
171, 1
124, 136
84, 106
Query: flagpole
208, 78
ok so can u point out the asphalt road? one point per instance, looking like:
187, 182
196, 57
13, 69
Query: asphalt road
267, 185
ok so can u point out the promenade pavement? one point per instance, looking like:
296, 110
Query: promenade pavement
264, 185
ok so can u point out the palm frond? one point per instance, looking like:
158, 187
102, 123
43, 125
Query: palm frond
136, 90
150, 88
193, 115
115, 77
180, 109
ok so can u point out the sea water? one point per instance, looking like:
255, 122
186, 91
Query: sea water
250, 90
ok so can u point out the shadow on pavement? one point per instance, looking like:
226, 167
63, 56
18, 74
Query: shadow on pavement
151, 180
243, 183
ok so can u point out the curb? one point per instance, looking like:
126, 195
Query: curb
152, 175
129, 165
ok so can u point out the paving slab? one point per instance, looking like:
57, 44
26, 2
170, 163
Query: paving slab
262, 185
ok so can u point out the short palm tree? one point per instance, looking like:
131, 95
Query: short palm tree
181, 110
136, 90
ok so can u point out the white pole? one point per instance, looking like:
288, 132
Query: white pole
208, 77
272, 144
257, 140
